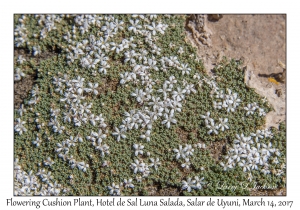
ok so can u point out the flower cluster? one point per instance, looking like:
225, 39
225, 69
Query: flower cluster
37, 141
73, 93
63, 152
128, 183
48, 23
184, 152
250, 108
28, 184
35, 92
114, 189
155, 163
96, 138
210, 124
21, 32
249, 154
140, 166
190, 184
138, 149
19, 74
19, 127
48, 162
229, 101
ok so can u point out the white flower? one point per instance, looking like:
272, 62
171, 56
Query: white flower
241, 139
152, 16
37, 142
152, 63
19, 127
262, 112
36, 50
146, 135
118, 25
116, 47
231, 101
180, 152
188, 150
217, 105
155, 163
93, 88
18, 74
128, 183
155, 50
188, 184
171, 82
48, 162
179, 94
20, 59
97, 136
190, 88
138, 16
180, 51
207, 118
223, 124
173, 61
184, 69
220, 94
277, 152
119, 134
82, 166
250, 109
267, 149
164, 90
265, 170
134, 26
226, 166
140, 95
76, 98
199, 183
153, 28
104, 149
197, 76
114, 189
171, 45
143, 54
175, 104
104, 66
199, 145
186, 164
138, 166
169, 119
129, 56
244, 165
21, 110
126, 77
138, 149
258, 135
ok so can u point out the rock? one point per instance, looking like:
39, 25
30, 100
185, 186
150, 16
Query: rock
214, 17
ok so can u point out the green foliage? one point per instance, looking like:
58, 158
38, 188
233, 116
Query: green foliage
114, 99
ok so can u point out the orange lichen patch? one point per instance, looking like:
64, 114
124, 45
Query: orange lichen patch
271, 79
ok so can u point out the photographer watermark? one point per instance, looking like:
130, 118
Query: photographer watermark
242, 186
